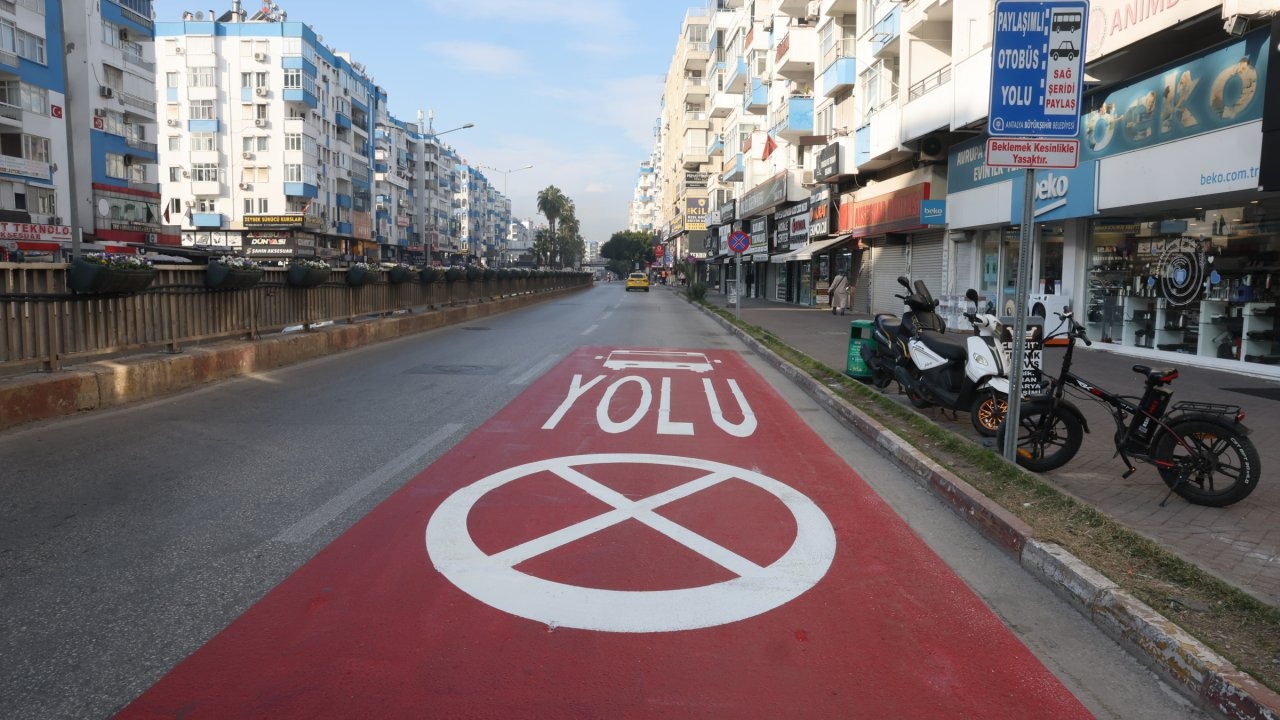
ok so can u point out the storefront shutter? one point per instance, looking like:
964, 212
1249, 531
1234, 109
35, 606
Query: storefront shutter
888, 262
926, 261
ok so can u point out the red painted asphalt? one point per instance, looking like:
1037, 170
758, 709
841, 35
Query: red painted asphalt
657, 542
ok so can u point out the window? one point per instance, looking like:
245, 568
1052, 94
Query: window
175, 142
203, 141
11, 93
293, 141
137, 172
111, 34
204, 172
171, 79
43, 201
260, 206
260, 111
293, 173
116, 167
253, 80
175, 206
175, 173
36, 148
207, 205
202, 76
202, 110
30, 47
293, 79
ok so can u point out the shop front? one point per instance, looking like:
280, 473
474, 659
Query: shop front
757, 207
1185, 256
893, 239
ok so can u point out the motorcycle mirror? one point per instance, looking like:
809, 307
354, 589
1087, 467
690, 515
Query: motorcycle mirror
904, 282
971, 295
991, 307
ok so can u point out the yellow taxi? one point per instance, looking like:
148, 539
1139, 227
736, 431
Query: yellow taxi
637, 281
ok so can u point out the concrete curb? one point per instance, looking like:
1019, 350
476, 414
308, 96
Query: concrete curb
109, 383
1200, 674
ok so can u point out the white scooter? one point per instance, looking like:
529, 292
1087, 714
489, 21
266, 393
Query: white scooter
989, 408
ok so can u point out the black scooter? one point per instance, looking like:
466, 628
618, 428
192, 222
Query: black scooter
888, 349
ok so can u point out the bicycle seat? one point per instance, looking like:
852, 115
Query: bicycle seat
1157, 375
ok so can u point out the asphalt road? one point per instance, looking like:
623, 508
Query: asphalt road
130, 537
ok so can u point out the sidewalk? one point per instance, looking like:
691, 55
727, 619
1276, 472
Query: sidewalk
1239, 544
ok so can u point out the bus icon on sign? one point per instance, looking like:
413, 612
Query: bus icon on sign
1067, 21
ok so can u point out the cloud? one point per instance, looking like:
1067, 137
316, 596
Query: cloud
480, 57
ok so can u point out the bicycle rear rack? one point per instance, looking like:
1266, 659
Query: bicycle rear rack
1206, 408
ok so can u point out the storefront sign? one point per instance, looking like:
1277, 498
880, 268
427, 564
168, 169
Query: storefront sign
288, 220
1059, 195
696, 180
792, 226
820, 212
695, 213
1224, 161
933, 212
828, 165
765, 196
269, 244
1209, 92
27, 168
35, 232
1114, 24
759, 236
894, 211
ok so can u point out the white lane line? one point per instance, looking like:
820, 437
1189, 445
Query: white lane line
590, 330
323, 515
606, 315
535, 371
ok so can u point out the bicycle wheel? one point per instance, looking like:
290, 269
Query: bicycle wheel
987, 412
1048, 437
1221, 466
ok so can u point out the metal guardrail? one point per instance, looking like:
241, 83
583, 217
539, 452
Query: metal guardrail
43, 324
930, 83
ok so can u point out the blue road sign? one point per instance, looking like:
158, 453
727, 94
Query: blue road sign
1037, 68
739, 242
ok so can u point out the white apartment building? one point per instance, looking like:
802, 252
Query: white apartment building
878, 109
77, 131
275, 146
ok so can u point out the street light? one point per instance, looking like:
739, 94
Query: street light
462, 127
505, 174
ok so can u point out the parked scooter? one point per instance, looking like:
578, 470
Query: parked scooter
991, 406
888, 348
956, 372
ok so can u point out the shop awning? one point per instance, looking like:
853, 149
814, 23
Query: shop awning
806, 252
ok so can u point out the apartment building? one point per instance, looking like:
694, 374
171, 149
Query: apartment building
275, 145
1164, 235
77, 129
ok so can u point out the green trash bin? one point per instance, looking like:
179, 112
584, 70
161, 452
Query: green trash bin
859, 333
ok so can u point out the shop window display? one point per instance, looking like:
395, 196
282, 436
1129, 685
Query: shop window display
1205, 285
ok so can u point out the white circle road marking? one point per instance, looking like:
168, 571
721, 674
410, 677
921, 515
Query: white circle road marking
493, 579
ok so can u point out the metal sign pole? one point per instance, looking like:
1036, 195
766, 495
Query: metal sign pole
737, 290
1026, 237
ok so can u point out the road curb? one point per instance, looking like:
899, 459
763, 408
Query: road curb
110, 383
1200, 674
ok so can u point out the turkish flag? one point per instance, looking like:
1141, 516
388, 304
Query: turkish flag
769, 147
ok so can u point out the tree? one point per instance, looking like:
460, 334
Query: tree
544, 246
570, 246
552, 204
627, 248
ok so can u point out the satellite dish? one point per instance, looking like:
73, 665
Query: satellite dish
199, 15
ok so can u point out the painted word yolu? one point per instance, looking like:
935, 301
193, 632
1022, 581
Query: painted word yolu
666, 426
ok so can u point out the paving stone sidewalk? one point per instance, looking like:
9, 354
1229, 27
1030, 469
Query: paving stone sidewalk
1239, 544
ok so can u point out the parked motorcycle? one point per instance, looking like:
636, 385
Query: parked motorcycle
888, 348
956, 372
991, 405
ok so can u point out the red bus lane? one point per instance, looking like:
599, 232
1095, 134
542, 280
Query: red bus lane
642, 533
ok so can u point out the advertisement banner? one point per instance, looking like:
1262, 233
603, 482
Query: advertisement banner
695, 213
1209, 92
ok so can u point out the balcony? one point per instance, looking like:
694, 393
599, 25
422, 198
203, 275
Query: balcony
694, 157
344, 228
342, 121
795, 118
696, 89
879, 141
796, 53
886, 34
733, 168
737, 76
723, 103
9, 61
794, 8
756, 102
342, 201
206, 220
840, 76
836, 8
929, 105
717, 147
298, 95
301, 189
696, 55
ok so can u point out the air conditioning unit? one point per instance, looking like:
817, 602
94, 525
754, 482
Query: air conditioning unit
173, 122
245, 186
178, 50
260, 56
247, 155
55, 220
261, 92
932, 151
128, 160
186, 174
99, 112
106, 91
806, 177
260, 122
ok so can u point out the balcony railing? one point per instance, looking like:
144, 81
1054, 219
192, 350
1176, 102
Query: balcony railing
932, 82
141, 145
138, 62
139, 102
140, 11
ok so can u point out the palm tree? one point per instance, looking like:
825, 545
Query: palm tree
552, 203
568, 238
544, 244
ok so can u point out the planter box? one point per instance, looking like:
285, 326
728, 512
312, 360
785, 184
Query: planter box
221, 277
87, 277
473, 274
453, 275
398, 275
428, 275
300, 276
359, 276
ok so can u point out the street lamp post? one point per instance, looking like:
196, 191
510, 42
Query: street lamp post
505, 175
435, 190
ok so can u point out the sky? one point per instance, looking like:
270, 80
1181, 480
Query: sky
573, 87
